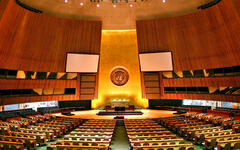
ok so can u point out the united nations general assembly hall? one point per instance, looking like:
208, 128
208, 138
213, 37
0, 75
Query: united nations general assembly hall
119, 74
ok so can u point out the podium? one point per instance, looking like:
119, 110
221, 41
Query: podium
120, 108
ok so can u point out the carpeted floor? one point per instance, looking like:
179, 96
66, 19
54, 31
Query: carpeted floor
197, 147
45, 147
120, 139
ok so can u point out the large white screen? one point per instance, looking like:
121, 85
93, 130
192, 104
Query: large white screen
156, 61
82, 63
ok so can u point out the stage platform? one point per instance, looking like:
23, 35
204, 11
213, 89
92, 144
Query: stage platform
118, 113
147, 114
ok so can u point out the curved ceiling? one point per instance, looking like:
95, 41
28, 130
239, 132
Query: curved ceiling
120, 16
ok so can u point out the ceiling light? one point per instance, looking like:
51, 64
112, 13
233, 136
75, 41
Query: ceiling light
131, 5
116, 1
164, 1
65, 1
114, 6
81, 4
98, 5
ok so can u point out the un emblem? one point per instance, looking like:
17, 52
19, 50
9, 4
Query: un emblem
119, 76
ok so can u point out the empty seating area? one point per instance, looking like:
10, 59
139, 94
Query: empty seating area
204, 129
4, 115
119, 74
146, 134
44, 110
93, 134
182, 132
34, 131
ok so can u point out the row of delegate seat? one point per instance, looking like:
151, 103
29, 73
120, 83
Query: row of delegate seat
146, 134
23, 124
93, 134
32, 136
14, 139
225, 122
4, 115
12, 126
209, 135
45, 110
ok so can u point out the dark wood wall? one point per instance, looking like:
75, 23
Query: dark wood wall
35, 42
3, 4
202, 40
6, 84
202, 82
206, 39
154, 87
237, 5
85, 85
29, 99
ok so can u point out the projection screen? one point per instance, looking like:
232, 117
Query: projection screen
82, 62
161, 61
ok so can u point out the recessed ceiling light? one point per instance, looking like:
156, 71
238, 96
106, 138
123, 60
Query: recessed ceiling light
131, 5
114, 6
65, 1
81, 4
164, 1
98, 5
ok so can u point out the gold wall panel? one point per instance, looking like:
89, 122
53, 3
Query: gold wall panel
119, 49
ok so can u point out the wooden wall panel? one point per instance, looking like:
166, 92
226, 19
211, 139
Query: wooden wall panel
237, 5
80, 93
192, 82
86, 97
35, 42
36, 84
88, 86
153, 96
143, 85
96, 86
3, 4
206, 39
152, 90
161, 84
77, 91
29, 99
202, 82
226, 98
152, 84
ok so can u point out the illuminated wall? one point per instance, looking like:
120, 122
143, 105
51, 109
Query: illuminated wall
119, 49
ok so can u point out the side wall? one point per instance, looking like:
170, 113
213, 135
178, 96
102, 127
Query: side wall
203, 40
206, 39
35, 42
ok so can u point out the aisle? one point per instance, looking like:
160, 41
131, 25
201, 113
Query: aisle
120, 139
45, 147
